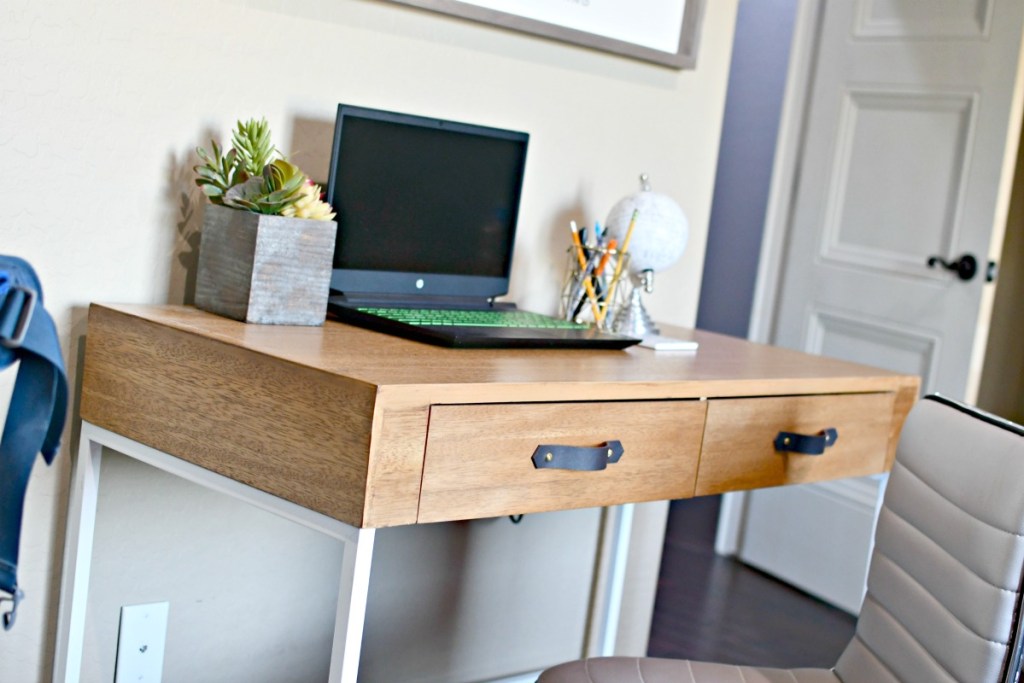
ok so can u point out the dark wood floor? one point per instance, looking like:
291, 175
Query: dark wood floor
714, 608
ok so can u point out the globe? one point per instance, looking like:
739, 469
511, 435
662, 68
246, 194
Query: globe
659, 237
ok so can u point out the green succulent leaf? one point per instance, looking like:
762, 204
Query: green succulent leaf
251, 139
212, 191
217, 173
207, 174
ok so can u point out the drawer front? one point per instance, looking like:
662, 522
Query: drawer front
479, 463
739, 441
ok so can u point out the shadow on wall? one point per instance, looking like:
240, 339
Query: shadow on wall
312, 140
559, 244
184, 203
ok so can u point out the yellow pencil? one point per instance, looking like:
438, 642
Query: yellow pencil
618, 265
591, 295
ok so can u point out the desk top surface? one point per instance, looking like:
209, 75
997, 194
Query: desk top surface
721, 366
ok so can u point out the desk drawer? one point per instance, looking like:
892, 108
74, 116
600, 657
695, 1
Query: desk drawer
739, 441
478, 457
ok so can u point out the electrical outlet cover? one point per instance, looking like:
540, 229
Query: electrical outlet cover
140, 643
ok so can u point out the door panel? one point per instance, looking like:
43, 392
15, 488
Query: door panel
923, 18
864, 340
900, 163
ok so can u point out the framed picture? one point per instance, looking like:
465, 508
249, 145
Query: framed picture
661, 31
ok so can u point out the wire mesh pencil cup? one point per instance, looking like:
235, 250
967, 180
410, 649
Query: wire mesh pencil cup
593, 291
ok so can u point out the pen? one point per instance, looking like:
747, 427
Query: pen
594, 273
599, 283
604, 258
589, 244
586, 278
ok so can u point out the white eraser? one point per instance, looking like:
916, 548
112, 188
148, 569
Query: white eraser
659, 343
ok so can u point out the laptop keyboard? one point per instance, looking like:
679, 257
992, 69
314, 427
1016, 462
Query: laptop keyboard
471, 318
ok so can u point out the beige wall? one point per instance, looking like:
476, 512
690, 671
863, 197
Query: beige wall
102, 103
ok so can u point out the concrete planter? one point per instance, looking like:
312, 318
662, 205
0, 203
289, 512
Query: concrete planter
264, 269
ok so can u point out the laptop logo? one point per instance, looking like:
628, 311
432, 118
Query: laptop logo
419, 283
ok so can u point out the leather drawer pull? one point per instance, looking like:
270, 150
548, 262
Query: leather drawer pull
579, 458
806, 444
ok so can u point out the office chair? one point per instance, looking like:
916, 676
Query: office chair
944, 585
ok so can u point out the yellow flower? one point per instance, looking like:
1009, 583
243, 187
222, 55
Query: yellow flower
308, 205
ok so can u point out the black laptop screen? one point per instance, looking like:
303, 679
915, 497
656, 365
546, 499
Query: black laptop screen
421, 200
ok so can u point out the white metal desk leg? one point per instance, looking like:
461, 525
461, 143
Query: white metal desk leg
617, 577
74, 588
606, 607
351, 615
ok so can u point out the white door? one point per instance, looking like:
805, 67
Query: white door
910, 121
905, 146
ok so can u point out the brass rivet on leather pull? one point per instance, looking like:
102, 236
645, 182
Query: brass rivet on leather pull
786, 441
548, 457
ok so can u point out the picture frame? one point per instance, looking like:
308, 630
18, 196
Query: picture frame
664, 32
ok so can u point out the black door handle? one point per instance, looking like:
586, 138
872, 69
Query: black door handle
966, 267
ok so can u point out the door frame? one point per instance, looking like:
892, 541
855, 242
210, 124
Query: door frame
785, 170
788, 144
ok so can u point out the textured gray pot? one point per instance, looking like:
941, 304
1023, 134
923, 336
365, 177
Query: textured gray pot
264, 269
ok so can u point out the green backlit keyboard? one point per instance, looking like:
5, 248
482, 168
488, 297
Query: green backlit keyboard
471, 318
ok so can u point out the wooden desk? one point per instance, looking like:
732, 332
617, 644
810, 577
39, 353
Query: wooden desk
349, 430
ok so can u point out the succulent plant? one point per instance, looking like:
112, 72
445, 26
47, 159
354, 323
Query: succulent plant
279, 186
218, 173
248, 177
252, 142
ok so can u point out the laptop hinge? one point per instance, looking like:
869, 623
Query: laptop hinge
418, 301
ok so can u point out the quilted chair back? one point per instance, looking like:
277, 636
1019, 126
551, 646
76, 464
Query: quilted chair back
944, 585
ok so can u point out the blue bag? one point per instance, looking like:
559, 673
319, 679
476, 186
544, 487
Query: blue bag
38, 408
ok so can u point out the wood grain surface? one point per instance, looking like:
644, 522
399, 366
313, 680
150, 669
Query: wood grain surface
337, 418
478, 461
723, 366
739, 450
292, 431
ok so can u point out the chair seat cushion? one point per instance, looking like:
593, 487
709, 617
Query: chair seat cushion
654, 670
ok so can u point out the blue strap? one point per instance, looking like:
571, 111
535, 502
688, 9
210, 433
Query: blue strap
38, 407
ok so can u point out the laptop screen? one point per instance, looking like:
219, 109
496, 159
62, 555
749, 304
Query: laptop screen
424, 206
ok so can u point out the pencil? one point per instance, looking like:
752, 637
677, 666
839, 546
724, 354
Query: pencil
618, 265
583, 271
596, 276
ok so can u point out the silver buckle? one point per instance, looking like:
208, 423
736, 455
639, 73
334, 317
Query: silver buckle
15, 598
24, 316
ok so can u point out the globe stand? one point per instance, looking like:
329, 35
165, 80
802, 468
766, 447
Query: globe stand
632, 319
657, 242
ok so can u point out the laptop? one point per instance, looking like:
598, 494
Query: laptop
426, 213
